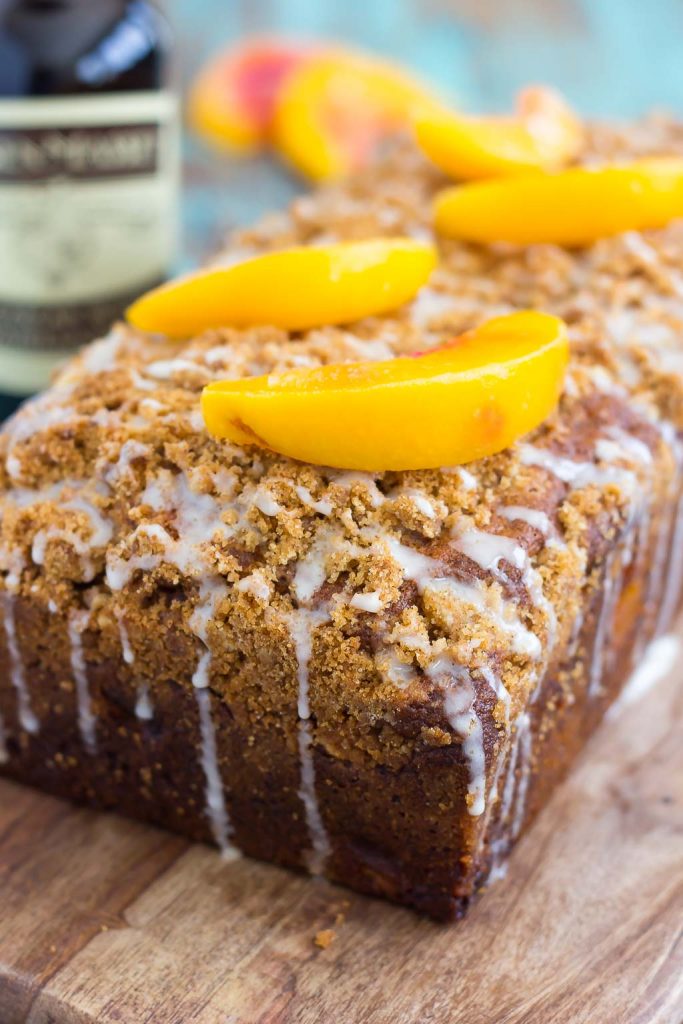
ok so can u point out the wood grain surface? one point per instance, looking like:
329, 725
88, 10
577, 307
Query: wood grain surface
105, 920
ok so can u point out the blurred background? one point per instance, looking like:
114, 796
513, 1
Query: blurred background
275, 95
610, 58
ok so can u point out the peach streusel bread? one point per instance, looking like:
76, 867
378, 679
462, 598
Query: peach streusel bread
264, 653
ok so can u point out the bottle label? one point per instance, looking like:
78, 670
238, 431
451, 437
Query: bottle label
88, 205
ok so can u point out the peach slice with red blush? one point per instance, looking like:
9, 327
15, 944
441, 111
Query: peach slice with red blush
232, 100
543, 134
334, 111
443, 408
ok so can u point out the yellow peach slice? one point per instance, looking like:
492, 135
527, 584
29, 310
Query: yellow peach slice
334, 110
572, 208
232, 99
459, 403
297, 288
551, 121
544, 135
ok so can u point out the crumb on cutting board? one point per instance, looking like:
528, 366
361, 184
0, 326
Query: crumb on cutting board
325, 938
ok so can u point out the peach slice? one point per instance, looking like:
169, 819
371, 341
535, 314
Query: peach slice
461, 402
297, 288
544, 135
552, 122
334, 110
573, 207
232, 100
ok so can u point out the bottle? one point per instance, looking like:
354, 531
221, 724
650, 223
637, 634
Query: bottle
88, 176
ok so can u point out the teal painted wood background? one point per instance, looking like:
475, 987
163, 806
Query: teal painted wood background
610, 57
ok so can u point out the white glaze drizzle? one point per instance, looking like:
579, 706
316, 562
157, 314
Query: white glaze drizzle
325, 508
87, 723
40, 413
101, 532
120, 570
510, 777
658, 567
672, 585
215, 799
4, 752
421, 502
524, 759
166, 369
637, 531
658, 660
430, 305
302, 625
610, 591
144, 709
367, 602
366, 480
211, 590
397, 672
619, 446
13, 562
265, 502
141, 384
577, 474
310, 573
101, 355
197, 521
499, 866
413, 641
424, 571
198, 517
126, 649
523, 640
488, 550
210, 593
467, 479
459, 697
27, 719
517, 777
498, 687
500, 762
367, 350
532, 516
255, 584
130, 451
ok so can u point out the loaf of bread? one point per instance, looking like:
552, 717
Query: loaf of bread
379, 677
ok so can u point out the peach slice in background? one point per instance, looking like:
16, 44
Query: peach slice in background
334, 110
461, 402
297, 288
557, 128
544, 134
573, 207
232, 100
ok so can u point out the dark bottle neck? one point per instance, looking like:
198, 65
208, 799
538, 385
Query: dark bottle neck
61, 47
8, 404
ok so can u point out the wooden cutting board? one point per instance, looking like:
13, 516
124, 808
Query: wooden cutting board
109, 921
